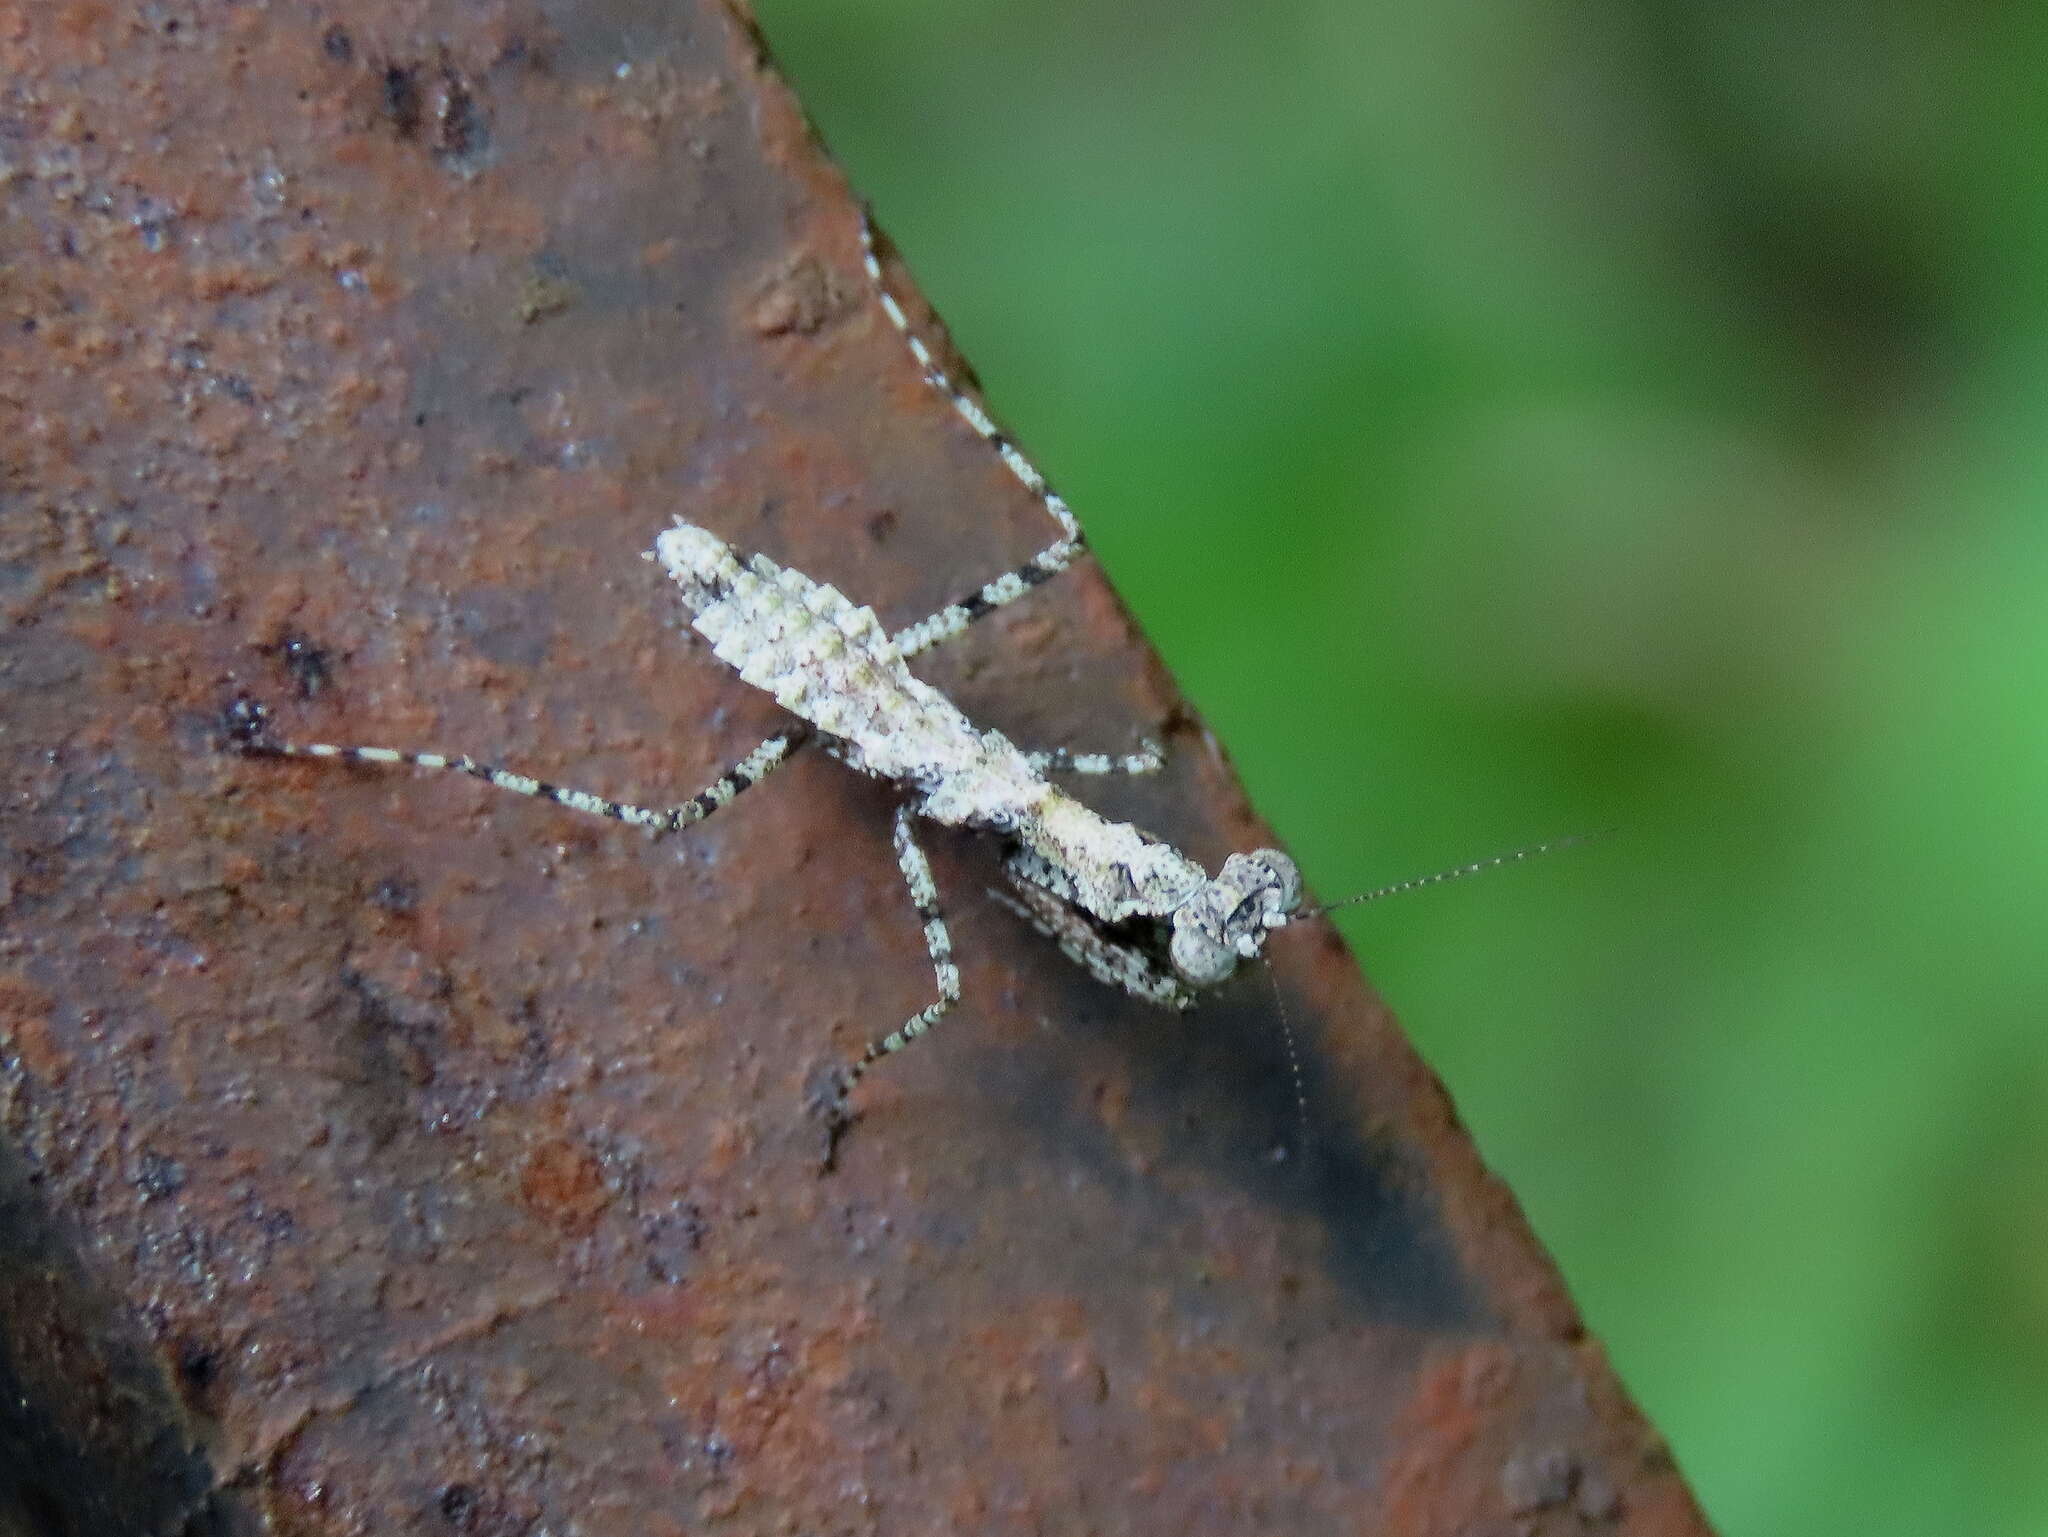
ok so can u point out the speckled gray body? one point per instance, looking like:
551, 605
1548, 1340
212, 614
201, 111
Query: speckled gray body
828, 661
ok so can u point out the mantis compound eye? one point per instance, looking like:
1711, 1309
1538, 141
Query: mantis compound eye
1228, 919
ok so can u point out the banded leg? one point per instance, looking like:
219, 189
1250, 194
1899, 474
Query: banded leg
924, 896
1048, 562
1122, 966
1148, 759
750, 770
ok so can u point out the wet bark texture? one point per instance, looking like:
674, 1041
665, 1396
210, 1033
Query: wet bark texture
386, 1154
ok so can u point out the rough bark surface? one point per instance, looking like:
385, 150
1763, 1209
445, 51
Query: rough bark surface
384, 1154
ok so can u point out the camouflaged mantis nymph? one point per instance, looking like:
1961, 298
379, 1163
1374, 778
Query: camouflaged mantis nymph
1134, 911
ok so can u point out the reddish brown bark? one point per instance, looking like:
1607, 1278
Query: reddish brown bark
389, 1155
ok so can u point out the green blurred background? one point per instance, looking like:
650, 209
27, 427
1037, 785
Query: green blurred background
1521, 418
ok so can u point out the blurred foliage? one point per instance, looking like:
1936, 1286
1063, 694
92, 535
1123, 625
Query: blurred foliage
1527, 418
